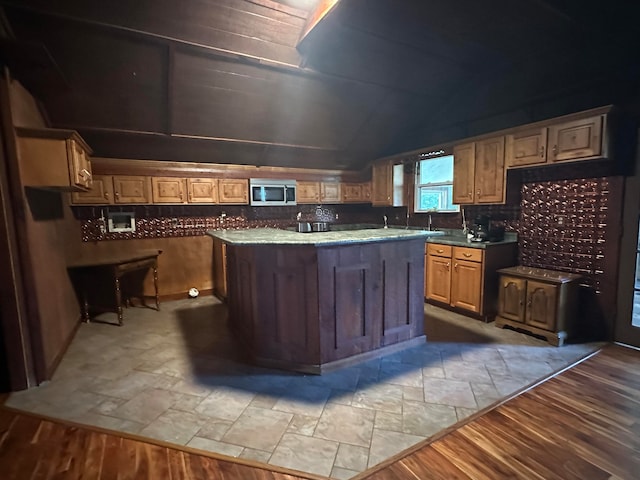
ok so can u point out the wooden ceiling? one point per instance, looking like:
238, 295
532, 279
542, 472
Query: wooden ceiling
225, 81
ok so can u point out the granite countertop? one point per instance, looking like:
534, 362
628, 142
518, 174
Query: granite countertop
266, 236
460, 240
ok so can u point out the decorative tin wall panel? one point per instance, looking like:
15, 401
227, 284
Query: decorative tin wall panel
563, 226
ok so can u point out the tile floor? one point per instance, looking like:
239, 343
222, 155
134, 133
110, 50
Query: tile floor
177, 375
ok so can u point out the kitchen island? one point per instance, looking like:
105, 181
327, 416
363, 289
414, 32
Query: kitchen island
313, 302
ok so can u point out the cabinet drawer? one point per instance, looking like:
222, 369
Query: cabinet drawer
469, 254
439, 250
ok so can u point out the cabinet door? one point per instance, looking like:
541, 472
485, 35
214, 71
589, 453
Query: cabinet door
233, 191
366, 191
202, 190
466, 285
307, 192
438, 278
330, 192
100, 193
168, 189
131, 189
382, 183
489, 171
511, 298
541, 305
351, 192
528, 147
463, 172
79, 165
575, 140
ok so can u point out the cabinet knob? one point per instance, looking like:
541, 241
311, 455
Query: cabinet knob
542, 151
106, 195
117, 194
478, 192
448, 265
455, 266
470, 194
555, 150
439, 250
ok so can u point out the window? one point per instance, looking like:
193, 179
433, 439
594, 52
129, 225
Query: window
434, 185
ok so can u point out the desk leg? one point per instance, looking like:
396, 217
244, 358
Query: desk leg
155, 284
119, 300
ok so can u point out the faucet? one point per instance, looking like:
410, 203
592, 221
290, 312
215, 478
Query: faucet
384, 218
429, 223
299, 216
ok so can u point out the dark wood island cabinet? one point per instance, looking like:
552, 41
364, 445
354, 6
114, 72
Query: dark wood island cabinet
314, 302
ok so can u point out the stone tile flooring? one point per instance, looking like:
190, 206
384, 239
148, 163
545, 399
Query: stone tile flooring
177, 375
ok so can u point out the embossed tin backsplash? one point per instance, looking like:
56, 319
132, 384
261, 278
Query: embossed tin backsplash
563, 226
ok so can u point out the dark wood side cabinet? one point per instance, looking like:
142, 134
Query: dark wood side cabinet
311, 308
540, 301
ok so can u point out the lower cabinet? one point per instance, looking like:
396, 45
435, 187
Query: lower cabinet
540, 301
465, 277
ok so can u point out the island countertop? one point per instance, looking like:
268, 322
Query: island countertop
274, 236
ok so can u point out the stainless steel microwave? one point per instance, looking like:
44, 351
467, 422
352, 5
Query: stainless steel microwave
267, 191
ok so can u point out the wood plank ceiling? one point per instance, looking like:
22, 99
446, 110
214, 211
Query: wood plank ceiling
226, 81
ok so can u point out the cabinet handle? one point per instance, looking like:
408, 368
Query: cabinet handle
470, 194
455, 266
448, 265
466, 254
478, 192
106, 195
555, 150
542, 152
117, 194
439, 250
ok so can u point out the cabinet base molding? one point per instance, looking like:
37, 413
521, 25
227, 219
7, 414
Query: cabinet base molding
554, 338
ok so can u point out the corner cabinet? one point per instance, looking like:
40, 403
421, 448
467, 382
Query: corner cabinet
387, 185
465, 278
539, 301
479, 172
53, 159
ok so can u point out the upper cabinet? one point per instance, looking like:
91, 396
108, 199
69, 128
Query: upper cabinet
168, 189
576, 140
330, 192
478, 172
307, 192
355, 192
387, 184
202, 190
129, 189
527, 147
233, 191
100, 193
580, 139
53, 158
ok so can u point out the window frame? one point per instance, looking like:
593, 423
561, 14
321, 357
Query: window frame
417, 187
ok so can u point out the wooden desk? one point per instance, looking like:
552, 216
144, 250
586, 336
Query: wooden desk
114, 266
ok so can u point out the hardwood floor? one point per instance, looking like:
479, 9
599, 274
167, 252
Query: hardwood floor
582, 424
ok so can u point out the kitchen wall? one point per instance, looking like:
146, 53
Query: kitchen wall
566, 217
